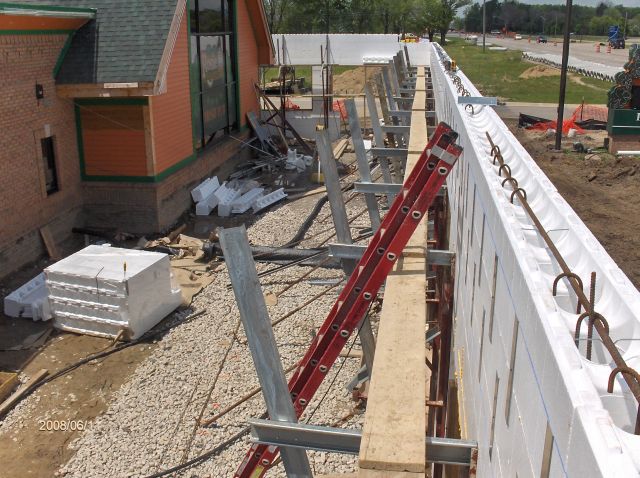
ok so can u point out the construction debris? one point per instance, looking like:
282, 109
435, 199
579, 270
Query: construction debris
30, 300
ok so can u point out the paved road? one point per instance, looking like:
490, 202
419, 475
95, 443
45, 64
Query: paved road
584, 51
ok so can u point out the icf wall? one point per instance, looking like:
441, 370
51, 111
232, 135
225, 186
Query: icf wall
534, 403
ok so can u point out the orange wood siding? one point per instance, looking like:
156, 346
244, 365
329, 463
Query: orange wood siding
113, 140
247, 62
11, 22
171, 111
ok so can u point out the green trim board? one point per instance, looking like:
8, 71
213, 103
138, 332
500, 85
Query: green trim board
143, 179
4, 6
62, 54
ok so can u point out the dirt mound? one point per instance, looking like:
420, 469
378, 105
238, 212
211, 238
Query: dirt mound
602, 189
539, 71
352, 81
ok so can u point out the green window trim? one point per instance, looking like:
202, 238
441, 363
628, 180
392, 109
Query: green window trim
62, 55
202, 136
4, 6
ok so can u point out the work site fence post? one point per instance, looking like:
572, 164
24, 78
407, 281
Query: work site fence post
262, 342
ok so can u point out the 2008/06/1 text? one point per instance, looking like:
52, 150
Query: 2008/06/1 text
62, 425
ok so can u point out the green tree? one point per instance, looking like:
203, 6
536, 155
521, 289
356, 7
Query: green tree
448, 10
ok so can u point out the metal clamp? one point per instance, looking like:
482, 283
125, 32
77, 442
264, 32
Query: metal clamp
568, 275
515, 191
506, 167
636, 376
514, 181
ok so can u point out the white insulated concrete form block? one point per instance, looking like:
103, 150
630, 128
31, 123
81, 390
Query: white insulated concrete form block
246, 201
205, 188
103, 290
226, 196
544, 379
269, 199
30, 300
208, 204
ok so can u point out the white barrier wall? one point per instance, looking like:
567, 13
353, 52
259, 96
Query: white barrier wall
347, 49
533, 401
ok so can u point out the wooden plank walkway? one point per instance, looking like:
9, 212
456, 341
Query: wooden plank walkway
393, 438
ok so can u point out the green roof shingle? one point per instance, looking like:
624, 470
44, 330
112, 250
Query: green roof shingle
124, 43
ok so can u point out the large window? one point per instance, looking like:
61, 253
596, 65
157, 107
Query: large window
213, 75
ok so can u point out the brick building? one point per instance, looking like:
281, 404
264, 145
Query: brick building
112, 111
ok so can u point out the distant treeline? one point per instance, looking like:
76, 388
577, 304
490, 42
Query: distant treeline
362, 16
437, 16
549, 19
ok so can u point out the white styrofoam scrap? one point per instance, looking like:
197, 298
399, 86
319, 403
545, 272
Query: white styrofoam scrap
208, 204
103, 290
29, 300
226, 196
248, 199
204, 189
269, 199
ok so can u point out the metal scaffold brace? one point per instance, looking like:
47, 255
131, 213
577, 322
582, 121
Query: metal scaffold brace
408, 209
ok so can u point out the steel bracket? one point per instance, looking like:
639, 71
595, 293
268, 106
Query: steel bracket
339, 440
478, 100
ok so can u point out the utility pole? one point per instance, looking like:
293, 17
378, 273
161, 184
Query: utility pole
484, 24
626, 16
563, 75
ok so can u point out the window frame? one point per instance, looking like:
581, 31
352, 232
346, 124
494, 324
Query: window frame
49, 163
229, 55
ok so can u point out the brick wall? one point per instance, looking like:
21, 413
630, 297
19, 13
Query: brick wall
24, 205
247, 62
624, 142
148, 208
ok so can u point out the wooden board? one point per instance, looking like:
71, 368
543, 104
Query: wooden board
388, 474
49, 243
13, 399
8, 381
393, 437
340, 147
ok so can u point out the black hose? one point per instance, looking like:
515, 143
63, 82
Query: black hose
306, 225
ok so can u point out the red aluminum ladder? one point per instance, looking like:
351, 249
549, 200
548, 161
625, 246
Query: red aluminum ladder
406, 212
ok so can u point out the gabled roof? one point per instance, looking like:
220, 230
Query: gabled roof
124, 44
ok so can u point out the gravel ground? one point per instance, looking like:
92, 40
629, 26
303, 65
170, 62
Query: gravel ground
204, 364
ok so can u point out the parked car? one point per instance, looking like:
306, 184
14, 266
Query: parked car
517, 37
541, 39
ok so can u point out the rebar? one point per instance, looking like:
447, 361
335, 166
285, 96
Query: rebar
596, 320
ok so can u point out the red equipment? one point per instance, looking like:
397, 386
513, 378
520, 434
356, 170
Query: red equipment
406, 212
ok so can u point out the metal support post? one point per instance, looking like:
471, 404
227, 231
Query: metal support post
363, 162
378, 136
343, 231
334, 191
388, 86
262, 342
